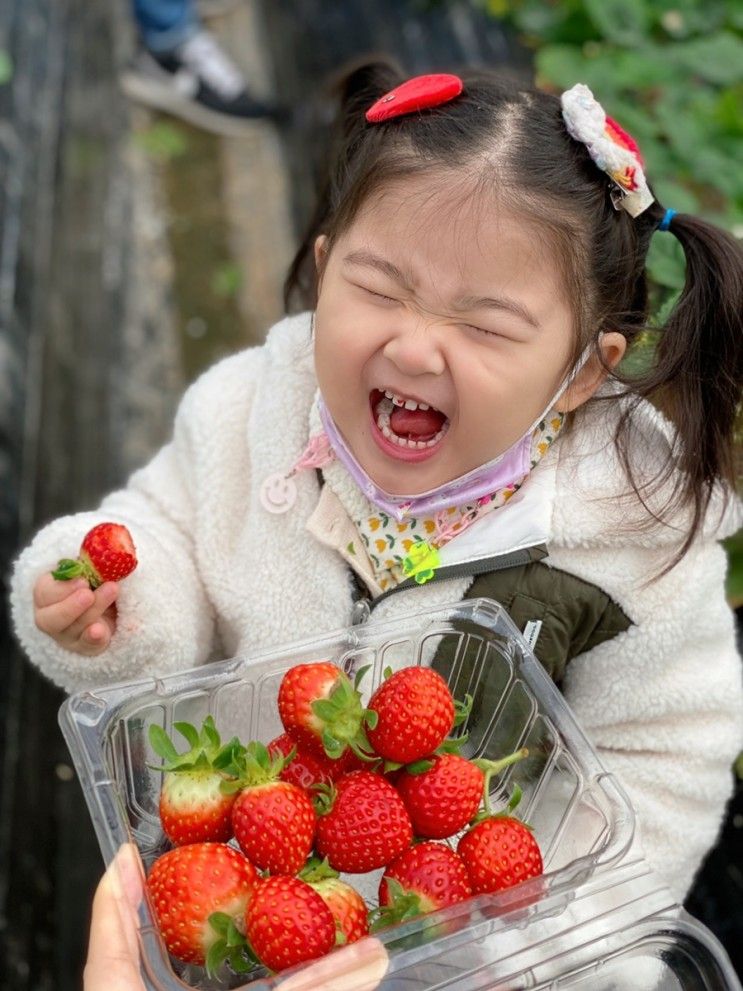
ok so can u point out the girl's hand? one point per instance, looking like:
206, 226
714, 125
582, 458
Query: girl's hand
75, 616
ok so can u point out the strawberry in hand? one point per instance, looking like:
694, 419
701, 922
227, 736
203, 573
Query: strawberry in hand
195, 799
107, 554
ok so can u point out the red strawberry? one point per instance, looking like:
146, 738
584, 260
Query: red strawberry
107, 554
273, 821
444, 792
415, 714
186, 886
442, 798
348, 907
307, 769
322, 710
498, 853
286, 923
195, 799
365, 826
424, 878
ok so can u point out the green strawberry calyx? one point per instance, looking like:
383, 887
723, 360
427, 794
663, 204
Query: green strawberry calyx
206, 751
404, 905
344, 719
80, 567
230, 945
253, 766
316, 870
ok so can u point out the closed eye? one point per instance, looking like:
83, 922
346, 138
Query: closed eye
378, 295
482, 330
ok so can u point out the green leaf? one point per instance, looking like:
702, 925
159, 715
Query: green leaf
665, 262
419, 767
325, 710
210, 733
215, 957
162, 744
226, 280
189, 732
717, 58
675, 195
564, 65
359, 675
625, 22
163, 141
67, 569
6, 67
371, 718
220, 922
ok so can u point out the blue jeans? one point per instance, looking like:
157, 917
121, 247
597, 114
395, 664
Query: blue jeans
165, 24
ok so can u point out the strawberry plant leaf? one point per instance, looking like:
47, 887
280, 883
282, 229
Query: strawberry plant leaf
371, 718
359, 675
387, 672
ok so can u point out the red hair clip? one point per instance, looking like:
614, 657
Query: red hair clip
418, 93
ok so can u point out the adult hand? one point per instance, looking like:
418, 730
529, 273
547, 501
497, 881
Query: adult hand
75, 616
358, 967
113, 949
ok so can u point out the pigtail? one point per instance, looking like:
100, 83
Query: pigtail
352, 92
698, 371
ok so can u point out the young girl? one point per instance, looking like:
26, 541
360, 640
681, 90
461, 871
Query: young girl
451, 421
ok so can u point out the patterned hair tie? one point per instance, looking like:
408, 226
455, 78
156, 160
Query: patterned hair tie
611, 148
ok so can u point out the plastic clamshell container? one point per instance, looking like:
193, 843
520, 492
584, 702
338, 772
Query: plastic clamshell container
580, 817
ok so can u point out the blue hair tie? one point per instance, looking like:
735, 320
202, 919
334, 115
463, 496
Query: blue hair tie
665, 223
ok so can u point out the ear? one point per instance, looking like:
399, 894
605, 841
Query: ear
612, 346
321, 253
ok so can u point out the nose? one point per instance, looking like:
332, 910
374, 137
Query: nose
414, 346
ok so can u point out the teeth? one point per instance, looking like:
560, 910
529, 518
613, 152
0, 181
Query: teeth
407, 403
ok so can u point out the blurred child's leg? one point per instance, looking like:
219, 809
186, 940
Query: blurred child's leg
165, 24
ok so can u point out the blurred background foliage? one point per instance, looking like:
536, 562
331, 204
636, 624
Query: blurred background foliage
671, 73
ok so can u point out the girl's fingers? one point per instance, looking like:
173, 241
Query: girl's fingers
103, 599
57, 617
48, 590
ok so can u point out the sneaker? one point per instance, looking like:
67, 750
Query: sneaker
197, 82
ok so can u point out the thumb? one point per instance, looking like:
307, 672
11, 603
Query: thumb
113, 949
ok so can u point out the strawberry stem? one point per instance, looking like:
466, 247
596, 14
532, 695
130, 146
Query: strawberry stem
491, 767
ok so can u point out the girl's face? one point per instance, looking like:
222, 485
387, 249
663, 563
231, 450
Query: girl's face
445, 305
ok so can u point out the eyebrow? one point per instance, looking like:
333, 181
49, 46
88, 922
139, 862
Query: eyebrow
370, 260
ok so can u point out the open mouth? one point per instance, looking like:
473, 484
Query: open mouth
410, 426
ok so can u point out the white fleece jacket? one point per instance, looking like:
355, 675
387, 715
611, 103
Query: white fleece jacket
219, 576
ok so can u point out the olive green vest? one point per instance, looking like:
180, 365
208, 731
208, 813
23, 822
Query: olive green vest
574, 614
